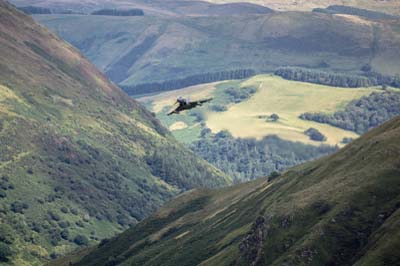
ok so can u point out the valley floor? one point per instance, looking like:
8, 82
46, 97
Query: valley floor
247, 119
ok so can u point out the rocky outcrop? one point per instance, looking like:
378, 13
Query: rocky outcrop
251, 246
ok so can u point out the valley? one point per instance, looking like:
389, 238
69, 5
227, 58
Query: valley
293, 162
256, 127
248, 119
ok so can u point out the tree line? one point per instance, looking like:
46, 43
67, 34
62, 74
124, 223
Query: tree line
363, 114
325, 78
119, 12
188, 81
367, 79
37, 10
31, 10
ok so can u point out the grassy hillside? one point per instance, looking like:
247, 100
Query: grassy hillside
339, 210
79, 159
248, 118
137, 51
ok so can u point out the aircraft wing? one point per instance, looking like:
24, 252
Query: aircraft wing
205, 100
175, 111
172, 112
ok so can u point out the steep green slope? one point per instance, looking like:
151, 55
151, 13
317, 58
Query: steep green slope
136, 51
78, 158
338, 210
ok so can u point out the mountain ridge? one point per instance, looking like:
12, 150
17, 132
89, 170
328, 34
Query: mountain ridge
342, 209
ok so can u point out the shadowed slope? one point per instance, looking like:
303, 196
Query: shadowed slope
339, 210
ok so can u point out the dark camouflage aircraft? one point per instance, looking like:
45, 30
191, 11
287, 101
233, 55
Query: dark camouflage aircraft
185, 104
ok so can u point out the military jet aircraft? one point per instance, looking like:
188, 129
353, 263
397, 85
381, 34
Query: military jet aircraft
185, 104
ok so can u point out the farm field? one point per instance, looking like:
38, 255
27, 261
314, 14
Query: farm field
247, 119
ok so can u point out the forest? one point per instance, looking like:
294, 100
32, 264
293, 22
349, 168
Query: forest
363, 114
325, 78
116, 12
247, 159
368, 78
188, 81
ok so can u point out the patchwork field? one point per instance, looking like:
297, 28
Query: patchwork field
248, 118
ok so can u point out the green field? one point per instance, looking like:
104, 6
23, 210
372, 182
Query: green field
247, 119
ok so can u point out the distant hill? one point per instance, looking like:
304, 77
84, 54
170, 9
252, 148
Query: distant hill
157, 53
339, 210
196, 7
155, 7
79, 159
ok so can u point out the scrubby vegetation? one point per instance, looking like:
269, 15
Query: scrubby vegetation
237, 95
347, 140
218, 108
188, 81
362, 114
116, 12
247, 159
231, 95
314, 134
274, 175
273, 118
